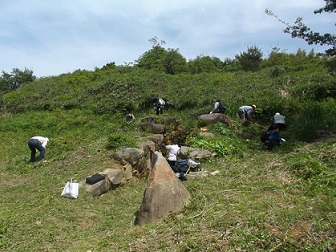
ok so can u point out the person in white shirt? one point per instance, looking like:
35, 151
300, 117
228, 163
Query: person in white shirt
129, 117
173, 151
278, 120
245, 112
219, 107
37, 143
159, 105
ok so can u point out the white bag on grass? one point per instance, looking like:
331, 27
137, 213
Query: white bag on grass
70, 190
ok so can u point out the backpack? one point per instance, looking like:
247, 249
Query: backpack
264, 137
221, 107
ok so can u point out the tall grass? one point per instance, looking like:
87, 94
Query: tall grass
315, 120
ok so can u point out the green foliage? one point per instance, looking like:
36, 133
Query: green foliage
153, 59
230, 65
169, 61
119, 140
225, 142
331, 65
14, 80
174, 62
315, 119
302, 31
205, 64
251, 59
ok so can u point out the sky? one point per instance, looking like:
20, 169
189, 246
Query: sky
52, 37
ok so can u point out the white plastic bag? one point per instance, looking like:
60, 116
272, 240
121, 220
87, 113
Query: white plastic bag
70, 190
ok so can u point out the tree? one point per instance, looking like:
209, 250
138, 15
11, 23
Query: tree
160, 59
251, 59
205, 64
153, 59
16, 78
174, 62
300, 30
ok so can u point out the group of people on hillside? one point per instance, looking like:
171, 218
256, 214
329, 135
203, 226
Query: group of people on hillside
271, 138
244, 112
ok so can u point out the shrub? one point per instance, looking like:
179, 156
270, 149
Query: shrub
119, 140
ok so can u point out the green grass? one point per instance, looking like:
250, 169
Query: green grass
282, 200
259, 201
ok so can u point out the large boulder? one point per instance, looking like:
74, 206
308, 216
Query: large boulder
214, 118
138, 158
153, 128
128, 155
158, 139
164, 193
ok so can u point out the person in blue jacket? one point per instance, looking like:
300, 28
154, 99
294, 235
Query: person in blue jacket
273, 139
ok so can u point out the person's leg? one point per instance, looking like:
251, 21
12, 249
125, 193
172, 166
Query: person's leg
173, 165
32, 144
271, 127
282, 126
32, 154
42, 152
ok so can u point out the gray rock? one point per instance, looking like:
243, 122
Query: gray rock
130, 155
214, 118
100, 187
164, 193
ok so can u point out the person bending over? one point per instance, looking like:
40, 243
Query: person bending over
37, 143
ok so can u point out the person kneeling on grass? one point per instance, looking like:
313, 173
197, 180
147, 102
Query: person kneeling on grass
219, 107
273, 139
245, 113
37, 143
173, 151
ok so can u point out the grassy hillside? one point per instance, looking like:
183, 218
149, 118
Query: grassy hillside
260, 201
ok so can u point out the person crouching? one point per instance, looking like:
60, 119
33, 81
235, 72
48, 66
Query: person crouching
37, 143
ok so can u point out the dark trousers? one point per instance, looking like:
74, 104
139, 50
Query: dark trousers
172, 165
34, 145
281, 126
159, 109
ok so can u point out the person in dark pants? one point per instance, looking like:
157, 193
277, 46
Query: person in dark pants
273, 139
37, 143
159, 105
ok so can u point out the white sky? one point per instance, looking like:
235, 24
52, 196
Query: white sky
52, 37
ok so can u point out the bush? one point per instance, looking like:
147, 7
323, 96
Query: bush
119, 140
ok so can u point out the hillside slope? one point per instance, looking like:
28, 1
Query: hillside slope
260, 201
